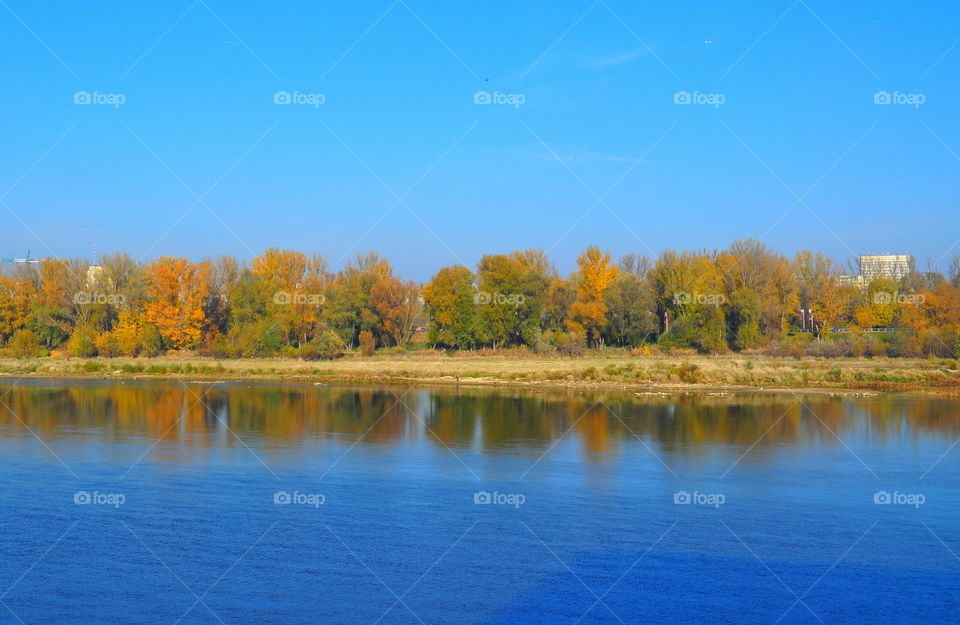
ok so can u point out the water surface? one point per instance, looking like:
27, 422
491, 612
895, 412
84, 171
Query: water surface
388, 520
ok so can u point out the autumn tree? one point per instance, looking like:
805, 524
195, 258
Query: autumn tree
64, 299
176, 291
399, 305
822, 291
690, 300
16, 296
510, 296
557, 300
452, 309
595, 275
348, 308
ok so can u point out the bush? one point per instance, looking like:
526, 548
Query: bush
327, 345
690, 373
905, 345
149, 341
368, 343
570, 343
82, 343
939, 342
106, 345
830, 348
126, 334
223, 346
25, 344
261, 338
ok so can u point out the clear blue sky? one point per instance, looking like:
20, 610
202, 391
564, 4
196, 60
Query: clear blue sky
598, 84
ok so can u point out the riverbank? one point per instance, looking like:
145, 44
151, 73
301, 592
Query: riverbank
618, 370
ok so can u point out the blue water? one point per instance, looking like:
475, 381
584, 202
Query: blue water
398, 537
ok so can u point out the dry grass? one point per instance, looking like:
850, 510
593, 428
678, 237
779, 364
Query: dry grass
615, 369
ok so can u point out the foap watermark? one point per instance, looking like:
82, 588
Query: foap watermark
86, 297
486, 498
116, 100
306, 299
896, 498
516, 100
96, 498
683, 298
916, 100
696, 498
296, 97
715, 100
903, 299
485, 298
296, 498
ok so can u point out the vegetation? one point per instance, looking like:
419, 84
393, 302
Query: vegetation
743, 299
642, 370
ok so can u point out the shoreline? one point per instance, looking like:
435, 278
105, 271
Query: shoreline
654, 375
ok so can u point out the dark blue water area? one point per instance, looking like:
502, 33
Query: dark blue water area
399, 537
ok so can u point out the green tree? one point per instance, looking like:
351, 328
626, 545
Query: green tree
510, 297
451, 306
745, 317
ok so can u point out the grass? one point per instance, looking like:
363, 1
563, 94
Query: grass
613, 369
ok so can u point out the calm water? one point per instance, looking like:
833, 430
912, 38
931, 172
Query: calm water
167, 503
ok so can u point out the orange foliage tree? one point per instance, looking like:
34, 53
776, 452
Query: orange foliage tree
176, 292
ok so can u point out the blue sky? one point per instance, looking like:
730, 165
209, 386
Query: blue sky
783, 139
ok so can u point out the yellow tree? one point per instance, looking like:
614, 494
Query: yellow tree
281, 269
589, 311
15, 297
176, 292
281, 274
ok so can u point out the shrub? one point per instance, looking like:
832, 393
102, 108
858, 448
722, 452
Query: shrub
223, 346
905, 344
690, 373
939, 342
106, 345
82, 343
327, 345
830, 348
261, 338
149, 341
570, 343
25, 344
126, 334
367, 343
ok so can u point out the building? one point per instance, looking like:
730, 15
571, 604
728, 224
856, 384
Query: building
846, 280
895, 266
94, 273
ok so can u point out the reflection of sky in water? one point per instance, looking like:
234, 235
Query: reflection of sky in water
797, 477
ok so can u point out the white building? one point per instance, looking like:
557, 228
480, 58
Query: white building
895, 266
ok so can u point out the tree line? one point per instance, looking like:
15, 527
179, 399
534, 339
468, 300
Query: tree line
286, 303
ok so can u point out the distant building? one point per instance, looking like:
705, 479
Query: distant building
94, 272
856, 281
895, 266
